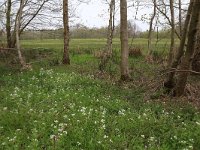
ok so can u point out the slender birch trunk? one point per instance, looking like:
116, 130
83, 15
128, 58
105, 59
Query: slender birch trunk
111, 26
18, 23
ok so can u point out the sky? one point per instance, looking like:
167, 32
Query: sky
95, 14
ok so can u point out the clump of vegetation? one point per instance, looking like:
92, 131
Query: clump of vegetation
63, 97
135, 52
47, 109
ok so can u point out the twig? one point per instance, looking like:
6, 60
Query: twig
176, 70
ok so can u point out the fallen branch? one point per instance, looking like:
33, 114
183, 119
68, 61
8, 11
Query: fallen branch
6, 49
176, 70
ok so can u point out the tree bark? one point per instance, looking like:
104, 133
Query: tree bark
8, 23
189, 54
180, 16
151, 28
196, 61
109, 49
124, 41
66, 59
111, 26
18, 22
171, 52
169, 83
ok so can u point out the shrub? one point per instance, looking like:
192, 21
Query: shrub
135, 51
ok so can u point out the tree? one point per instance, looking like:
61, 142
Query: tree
124, 41
180, 16
18, 23
171, 52
33, 8
151, 27
196, 61
169, 83
1, 15
133, 29
162, 7
66, 59
188, 57
111, 26
110, 31
8, 23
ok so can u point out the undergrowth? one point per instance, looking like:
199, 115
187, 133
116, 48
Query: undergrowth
48, 109
79, 107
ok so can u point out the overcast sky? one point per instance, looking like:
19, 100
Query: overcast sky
95, 14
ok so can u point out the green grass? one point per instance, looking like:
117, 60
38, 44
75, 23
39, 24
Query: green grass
51, 109
94, 44
69, 107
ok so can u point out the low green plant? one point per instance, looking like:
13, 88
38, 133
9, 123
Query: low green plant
51, 109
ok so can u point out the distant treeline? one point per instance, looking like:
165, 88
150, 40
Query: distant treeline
81, 32
86, 33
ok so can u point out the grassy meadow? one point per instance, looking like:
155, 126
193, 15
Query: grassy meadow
78, 107
94, 44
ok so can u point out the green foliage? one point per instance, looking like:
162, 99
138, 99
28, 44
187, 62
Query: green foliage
48, 109
88, 46
163, 34
65, 107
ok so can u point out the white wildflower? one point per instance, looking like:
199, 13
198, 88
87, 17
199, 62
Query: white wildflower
198, 123
5, 108
56, 121
52, 136
151, 138
65, 132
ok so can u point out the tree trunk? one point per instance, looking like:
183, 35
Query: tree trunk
180, 17
196, 61
170, 79
111, 26
13, 38
171, 52
189, 54
8, 23
18, 22
11, 34
124, 41
66, 59
151, 28
108, 51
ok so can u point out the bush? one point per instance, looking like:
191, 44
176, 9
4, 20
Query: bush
135, 51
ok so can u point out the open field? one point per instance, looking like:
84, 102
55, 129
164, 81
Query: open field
83, 50
93, 44
79, 107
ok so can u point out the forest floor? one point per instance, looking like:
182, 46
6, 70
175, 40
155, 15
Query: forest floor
79, 107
